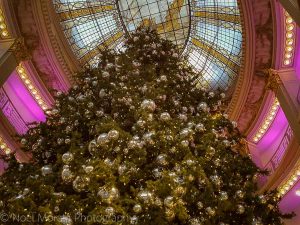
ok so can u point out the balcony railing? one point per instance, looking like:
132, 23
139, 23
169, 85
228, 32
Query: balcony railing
11, 113
276, 158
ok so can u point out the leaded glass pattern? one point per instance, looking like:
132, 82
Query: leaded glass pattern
208, 32
170, 18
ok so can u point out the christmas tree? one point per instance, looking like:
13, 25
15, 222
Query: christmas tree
135, 141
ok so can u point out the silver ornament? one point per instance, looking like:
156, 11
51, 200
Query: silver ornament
137, 208
141, 123
93, 147
240, 194
90, 105
165, 116
46, 170
223, 196
200, 127
102, 139
185, 132
195, 221
211, 151
157, 173
262, 199
162, 159
105, 74
203, 107
67, 157
199, 205
121, 169
88, 169
102, 93
109, 211
210, 211
163, 78
148, 105
216, 180
113, 134
99, 113
108, 162
68, 129
60, 141
23, 141
133, 220
135, 39
240, 209
80, 183
103, 193
256, 221
185, 143
145, 196
133, 144
183, 117
65, 220
211, 94
67, 174
169, 201
234, 124
95, 83
226, 143
190, 162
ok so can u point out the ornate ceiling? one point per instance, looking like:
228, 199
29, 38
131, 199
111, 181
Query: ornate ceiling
208, 32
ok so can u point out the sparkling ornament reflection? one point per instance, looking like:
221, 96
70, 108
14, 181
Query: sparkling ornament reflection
46, 170
67, 157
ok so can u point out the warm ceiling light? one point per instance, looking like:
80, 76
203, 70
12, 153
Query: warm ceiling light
288, 55
298, 192
289, 34
289, 41
290, 27
289, 20
287, 62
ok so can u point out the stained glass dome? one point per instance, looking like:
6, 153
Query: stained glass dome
208, 32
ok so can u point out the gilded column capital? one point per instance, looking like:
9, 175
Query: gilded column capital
20, 50
274, 80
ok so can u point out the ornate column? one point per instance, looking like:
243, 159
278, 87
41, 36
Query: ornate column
285, 84
293, 8
12, 52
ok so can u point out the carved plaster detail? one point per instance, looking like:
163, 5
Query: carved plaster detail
20, 50
274, 80
263, 20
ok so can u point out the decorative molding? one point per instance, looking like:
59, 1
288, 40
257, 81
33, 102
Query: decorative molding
265, 125
36, 25
3, 25
249, 94
23, 74
20, 50
12, 114
274, 162
274, 80
290, 40
242, 85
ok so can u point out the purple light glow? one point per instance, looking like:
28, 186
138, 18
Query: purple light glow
22, 100
291, 201
269, 143
297, 54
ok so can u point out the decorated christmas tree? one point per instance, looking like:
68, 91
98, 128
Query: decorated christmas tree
135, 141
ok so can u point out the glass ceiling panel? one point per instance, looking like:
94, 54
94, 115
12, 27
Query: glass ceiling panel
208, 31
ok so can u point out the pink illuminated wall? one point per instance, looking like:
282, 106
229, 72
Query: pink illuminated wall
20, 107
271, 141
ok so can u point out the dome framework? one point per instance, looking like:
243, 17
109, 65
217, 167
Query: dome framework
209, 33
